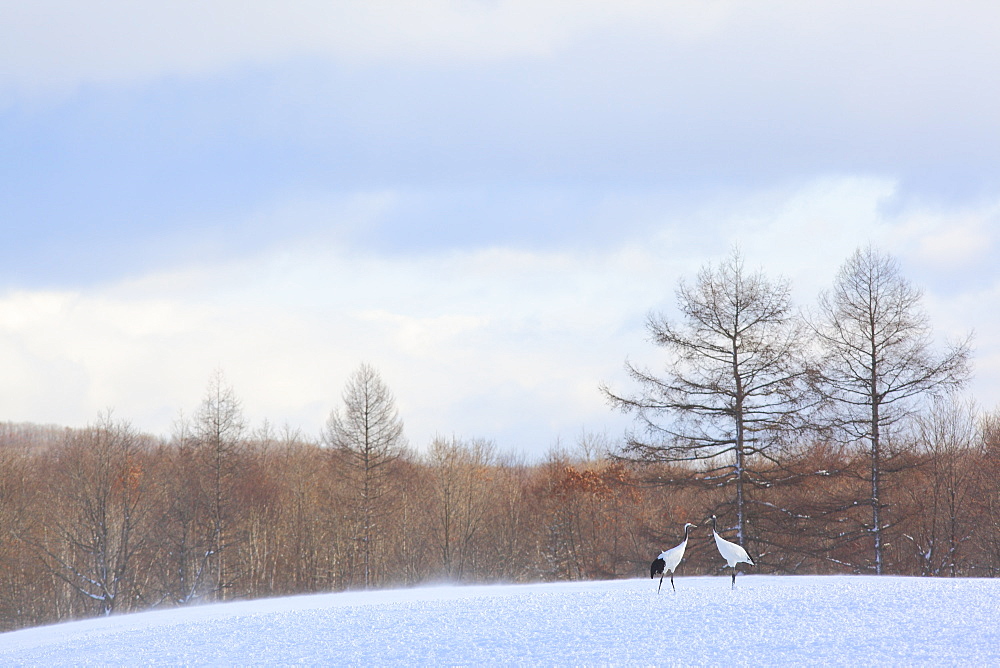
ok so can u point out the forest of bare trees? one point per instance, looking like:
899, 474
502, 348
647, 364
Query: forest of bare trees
824, 444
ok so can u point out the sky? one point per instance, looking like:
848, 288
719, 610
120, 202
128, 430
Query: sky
483, 200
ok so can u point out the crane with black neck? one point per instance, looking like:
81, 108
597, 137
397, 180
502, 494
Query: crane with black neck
670, 559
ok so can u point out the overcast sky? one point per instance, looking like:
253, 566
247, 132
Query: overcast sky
483, 200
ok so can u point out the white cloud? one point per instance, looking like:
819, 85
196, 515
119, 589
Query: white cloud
61, 43
501, 343
470, 342
871, 50
950, 240
808, 229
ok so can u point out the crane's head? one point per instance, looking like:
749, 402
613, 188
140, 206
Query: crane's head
693, 526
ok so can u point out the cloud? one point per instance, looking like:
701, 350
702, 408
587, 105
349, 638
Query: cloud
483, 199
53, 44
946, 240
288, 330
809, 228
168, 128
499, 342
782, 63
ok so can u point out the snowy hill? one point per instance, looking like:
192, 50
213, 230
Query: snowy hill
831, 620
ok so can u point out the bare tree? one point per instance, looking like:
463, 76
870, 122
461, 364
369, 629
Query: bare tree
97, 532
734, 386
183, 532
367, 435
947, 435
510, 527
986, 498
461, 487
219, 429
878, 360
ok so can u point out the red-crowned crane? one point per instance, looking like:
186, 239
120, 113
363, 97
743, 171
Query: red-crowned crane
731, 552
669, 560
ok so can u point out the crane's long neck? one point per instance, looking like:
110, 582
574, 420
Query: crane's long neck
719, 540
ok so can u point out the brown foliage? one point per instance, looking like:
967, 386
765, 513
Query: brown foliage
466, 514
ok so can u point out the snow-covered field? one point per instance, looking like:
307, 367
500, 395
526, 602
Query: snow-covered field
832, 620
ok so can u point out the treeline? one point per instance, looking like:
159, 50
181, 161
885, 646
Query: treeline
106, 519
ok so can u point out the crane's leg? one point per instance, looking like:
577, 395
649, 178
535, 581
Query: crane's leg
734, 578
672, 581
659, 585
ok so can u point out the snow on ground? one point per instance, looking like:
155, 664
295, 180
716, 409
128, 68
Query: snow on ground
829, 620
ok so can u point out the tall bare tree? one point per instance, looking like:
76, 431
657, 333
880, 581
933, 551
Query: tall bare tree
879, 360
367, 435
734, 385
219, 429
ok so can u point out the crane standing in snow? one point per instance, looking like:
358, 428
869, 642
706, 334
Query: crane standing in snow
670, 559
731, 552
